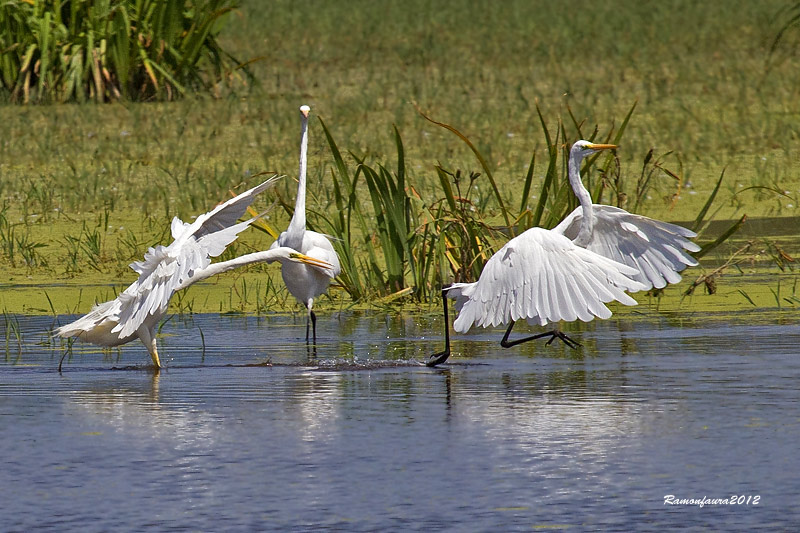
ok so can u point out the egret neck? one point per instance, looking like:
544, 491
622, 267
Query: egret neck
587, 224
297, 226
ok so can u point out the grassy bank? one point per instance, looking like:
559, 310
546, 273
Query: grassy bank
84, 189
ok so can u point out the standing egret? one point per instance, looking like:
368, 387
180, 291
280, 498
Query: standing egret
306, 282
545, 276
167, 269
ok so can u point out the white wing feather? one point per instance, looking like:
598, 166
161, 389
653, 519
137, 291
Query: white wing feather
221, 217
91, 320
164, 268
657, 249
542, 277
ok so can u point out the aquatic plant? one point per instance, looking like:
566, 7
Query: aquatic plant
13, 333
408, 244
399, 234
18, 244
112, 49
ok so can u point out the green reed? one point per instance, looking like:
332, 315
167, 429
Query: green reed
112, 49
13, 333
405, 242
399, 234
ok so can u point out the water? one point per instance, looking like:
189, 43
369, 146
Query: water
248, 431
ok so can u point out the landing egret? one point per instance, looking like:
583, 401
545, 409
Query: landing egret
545, 276
303, 281
167, 269
657, 249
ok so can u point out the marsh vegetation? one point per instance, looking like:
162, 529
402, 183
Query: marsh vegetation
694, 97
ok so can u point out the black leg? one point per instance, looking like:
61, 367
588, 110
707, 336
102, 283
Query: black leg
70, 340
313, 327
555, 334
441, 357
62, 359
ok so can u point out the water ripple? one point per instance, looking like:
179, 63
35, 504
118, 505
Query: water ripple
255, 431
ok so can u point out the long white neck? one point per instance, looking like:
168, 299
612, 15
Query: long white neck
587, 222
267, 256
297, 226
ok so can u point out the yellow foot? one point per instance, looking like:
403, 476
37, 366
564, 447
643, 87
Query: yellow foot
156, 360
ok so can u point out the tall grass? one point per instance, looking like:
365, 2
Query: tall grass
790, 20
74, 50
698, 71
17, 246
397, 234
513, 78
13, 334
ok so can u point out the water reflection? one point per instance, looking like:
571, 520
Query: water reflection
315, 403
553, 425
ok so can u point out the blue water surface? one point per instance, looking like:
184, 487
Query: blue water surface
247, 429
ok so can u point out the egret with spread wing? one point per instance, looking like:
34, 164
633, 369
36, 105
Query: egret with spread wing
656, 249
136, 312
570, 272
306, 282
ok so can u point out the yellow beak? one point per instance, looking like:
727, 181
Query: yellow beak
602, 146
302, 258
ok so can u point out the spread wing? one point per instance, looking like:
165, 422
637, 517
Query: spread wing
159, 274
92, 320
221, 217
164, 269
656, 249
541, 276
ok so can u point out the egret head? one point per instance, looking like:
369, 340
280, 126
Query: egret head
304, 110
583, 148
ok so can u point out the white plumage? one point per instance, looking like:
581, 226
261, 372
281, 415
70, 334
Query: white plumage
542, 277
570, 272
306, 283
167, 269
657, 249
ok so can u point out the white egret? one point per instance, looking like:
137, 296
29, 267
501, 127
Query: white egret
657, 249
568, 273
306, 282
167, 269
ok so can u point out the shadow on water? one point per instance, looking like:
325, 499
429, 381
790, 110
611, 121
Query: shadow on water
247, 429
